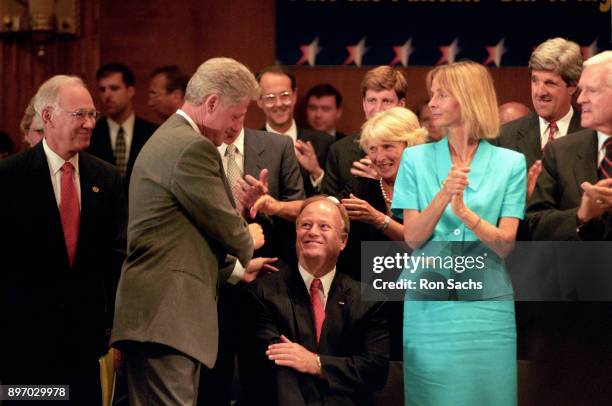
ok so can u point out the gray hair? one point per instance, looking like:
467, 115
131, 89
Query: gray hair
603, 59
560, 56
226, 77
48, 93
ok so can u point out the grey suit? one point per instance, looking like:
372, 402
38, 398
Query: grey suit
182, 224
268, 150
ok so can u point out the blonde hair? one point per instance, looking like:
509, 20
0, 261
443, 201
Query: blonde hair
228, 78
471, 84
397, 124
560, 56
30, 118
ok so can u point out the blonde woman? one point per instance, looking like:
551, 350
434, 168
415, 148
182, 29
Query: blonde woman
462, 189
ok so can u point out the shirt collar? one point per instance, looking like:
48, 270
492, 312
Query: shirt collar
326, 280
601, 138
192, 123
238, 143
128, 125
292, 131
562, 124
55, 161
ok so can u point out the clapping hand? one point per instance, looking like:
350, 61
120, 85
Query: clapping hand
252, 189
365, 169
305, 154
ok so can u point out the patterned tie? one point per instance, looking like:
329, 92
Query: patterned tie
605, 167
121, 152
233, 174
317, 305
69, 210
553, 130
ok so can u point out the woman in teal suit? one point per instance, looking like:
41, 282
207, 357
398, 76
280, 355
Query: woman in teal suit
461, 188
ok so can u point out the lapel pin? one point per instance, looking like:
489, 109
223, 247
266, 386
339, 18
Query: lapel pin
341, 303
95, 189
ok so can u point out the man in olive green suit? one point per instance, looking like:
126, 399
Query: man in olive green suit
183, 231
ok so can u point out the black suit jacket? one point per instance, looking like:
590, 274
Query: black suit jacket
100, 144
569, 336
568, 162
55, 317
523, 135
354, 345
342, 154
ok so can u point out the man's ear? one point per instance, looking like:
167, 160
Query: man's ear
46, 115
572, 89
402, 102
131, 91
211, 103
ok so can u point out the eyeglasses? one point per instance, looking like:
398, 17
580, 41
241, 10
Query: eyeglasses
269, 100
83, 114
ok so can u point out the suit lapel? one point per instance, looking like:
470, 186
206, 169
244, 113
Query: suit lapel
137, 142
529, 139
585, 168
336, 311
574, 123
49, 211
103, 141
252, 152
302, 313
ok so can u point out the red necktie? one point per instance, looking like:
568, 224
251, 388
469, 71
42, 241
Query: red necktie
552, 131
317, 305
605, 167
69, 210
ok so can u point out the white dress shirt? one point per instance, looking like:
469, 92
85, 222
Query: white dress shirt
326, 281
128, 132
562, 124
601, 151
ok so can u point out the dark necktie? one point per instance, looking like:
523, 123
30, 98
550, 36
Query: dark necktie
69, 210
121, 151
553, 130
605, 167
318, 311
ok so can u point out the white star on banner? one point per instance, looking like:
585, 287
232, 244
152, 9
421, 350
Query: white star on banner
449, 52
589, 51
309, 52
356, 52
402, 53
495, 53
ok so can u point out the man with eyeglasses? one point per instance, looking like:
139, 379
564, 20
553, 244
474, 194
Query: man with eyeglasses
381, 88
120, 135
277, 101
63, 242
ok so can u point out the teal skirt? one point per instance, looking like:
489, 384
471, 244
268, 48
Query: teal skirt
459, 353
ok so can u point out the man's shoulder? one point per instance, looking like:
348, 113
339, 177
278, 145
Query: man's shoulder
575, 139
266, 138
315, 136
143, 126
520, 124
21, 160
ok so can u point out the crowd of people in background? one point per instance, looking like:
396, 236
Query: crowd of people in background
206, 253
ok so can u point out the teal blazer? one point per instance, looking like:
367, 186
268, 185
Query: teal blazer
497, 188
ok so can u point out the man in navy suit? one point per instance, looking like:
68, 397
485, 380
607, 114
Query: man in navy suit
119, 137
316, 341
63, 241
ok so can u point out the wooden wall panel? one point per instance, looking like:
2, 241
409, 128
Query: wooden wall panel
146, 34
22, 72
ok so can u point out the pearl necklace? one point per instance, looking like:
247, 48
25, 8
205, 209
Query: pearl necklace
382, 189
